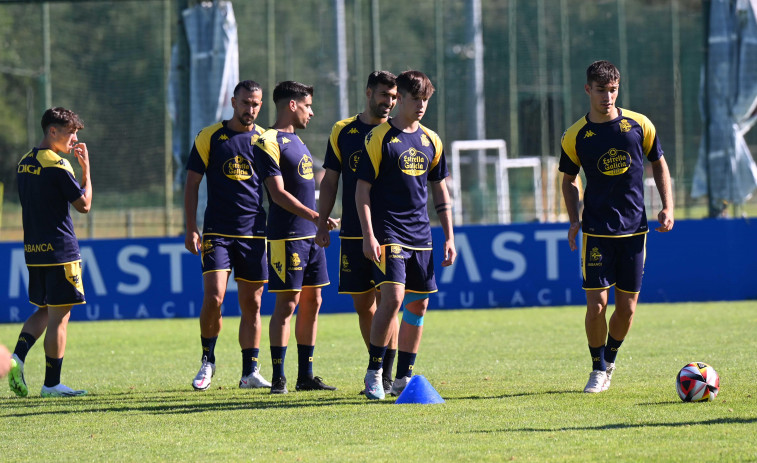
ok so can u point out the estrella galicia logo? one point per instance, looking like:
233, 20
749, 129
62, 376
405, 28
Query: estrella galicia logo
413, 162
614, 162
354, 159
305, 168
237, 168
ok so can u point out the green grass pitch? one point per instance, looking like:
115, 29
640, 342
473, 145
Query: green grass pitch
512, 381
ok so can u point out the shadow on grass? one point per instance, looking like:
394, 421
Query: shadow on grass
605, 427
514, 394
171, 402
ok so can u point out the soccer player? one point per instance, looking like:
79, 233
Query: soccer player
610, 144
296, 264
47, 187
343, 151
391, 197
233, 232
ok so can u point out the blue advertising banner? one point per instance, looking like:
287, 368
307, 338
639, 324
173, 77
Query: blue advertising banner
520, 265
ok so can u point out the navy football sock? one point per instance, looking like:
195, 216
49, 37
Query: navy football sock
209, 348
611, 351
388, 363
376, 356
598, 358
52, 371
25, 342
405, 363
249, 360
278, 354
305, 361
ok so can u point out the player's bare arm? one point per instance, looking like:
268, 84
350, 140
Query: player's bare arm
571, 195
662, 180
371, 247
443, 206
81, 154
191, 190
326, 200
291, 204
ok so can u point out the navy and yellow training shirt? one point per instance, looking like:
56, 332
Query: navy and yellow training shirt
235, 191
343, 152
284, 154
399, 168
47, 187
612, 155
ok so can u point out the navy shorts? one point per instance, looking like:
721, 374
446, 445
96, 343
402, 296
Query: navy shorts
294, 264
355, 271
245, 255
57, 285
608, 261
409, 267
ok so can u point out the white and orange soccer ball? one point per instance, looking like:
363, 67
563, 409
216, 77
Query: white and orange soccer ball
697, 382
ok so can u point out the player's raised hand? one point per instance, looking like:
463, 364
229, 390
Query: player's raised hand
192, 241
665, 217
81, 154
572, 233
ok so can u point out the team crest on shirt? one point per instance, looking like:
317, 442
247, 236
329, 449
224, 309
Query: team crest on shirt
395, 140
354, 159
223, 137
237, 168
353, 131
424, 140
624, 126
589, 134
345, 264
614, 162
305, 168
413, 162
294, 262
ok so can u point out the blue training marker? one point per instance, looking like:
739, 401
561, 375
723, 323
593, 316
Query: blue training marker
419, 391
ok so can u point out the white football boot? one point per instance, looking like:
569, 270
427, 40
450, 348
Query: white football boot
399, 385
596, 382
374, 385
610, 370
202, 380
60, 390
254, 380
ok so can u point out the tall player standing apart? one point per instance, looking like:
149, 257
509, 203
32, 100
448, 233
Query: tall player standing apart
343, 152
391, 199
46, 187
233, 232
296, 264
610, 143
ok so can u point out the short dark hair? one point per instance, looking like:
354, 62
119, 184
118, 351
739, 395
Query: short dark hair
381, 77
249, 85
291, 90
61, 117
415, 83
602, 72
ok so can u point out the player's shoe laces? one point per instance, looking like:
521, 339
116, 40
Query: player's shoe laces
254, 380
202, 380
399, 385
374, 386
596, 382
279, 386
16, 379
610, 370
60, 390
313, 384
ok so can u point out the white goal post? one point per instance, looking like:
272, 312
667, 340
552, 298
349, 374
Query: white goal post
501, 165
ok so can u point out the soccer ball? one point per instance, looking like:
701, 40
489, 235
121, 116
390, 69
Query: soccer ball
697, 382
